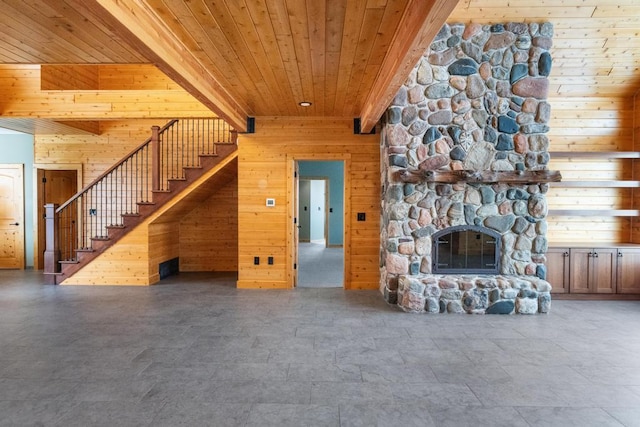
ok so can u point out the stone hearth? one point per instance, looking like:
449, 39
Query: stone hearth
465, 144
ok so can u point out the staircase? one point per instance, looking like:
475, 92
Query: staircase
93, 220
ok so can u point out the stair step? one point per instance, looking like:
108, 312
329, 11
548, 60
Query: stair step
130, 215
150, 203
100, 238
115, 226
83, 250
70, 261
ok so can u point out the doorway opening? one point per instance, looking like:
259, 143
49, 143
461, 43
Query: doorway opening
54, 184
321, 224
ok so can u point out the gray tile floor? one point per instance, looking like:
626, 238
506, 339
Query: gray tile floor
196, 351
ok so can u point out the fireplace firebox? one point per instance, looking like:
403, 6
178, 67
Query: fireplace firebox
466, 249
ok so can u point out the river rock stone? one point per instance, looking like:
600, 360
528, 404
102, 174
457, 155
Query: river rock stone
501, 307
499, 41
439, 90
533, 87
441, 117
444, 58
500, 223
463, 67
475, 86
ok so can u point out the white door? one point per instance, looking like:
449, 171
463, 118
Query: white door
11, 216
304, 210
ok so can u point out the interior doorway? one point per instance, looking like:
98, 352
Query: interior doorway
320, 244
53, 186
312, 210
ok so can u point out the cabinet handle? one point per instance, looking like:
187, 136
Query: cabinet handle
566, 254
595, 254
590, 254
619, 254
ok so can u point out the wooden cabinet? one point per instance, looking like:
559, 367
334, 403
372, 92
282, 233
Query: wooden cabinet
558, 270
593, 270
628, 277
580, 270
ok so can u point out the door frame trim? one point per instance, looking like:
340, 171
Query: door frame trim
48, 166
291, 211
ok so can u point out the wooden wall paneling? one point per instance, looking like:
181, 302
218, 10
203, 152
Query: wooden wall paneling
591, 124
276, 145
209, 233
26, 99
126, 263
69, 77
579, 229
134, 77
163, 245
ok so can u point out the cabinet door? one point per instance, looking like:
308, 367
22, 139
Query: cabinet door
628, 271
604, 271
558, 270
580, 267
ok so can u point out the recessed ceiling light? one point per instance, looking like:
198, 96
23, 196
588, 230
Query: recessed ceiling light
304, 104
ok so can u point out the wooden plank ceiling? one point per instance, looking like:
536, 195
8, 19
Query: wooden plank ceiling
245, 58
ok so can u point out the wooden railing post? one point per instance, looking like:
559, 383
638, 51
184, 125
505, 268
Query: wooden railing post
155, 158
52, 246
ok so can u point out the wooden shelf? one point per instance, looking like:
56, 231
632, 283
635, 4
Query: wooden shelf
595, 154
587, 184
594, 212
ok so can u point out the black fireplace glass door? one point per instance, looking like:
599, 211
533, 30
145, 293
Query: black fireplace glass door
465, 250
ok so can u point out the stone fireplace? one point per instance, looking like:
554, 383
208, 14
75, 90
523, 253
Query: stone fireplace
464, 173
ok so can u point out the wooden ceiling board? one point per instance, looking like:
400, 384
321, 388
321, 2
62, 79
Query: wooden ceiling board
348, 57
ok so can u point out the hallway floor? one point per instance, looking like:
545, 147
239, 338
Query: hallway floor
319, 266
194, 350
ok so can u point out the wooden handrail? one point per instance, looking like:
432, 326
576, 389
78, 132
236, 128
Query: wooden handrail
112, 168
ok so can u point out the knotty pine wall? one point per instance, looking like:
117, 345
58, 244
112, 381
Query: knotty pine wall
585, 124
635, 222
123, 92
209, 233
265, 170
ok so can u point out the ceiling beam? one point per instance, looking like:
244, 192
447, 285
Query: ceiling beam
421, 21
136, 23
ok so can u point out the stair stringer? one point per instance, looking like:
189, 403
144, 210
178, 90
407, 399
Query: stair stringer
131, 260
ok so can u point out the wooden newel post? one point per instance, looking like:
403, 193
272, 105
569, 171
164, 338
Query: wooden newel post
52, 245
155, 158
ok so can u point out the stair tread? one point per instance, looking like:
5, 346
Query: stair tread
69, 262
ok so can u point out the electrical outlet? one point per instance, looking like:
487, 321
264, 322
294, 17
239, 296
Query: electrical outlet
362, 216
256, 260
270, 260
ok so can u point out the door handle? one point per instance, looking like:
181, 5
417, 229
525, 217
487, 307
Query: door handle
15, 223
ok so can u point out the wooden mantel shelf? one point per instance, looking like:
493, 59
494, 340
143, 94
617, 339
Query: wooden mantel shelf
482, 177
